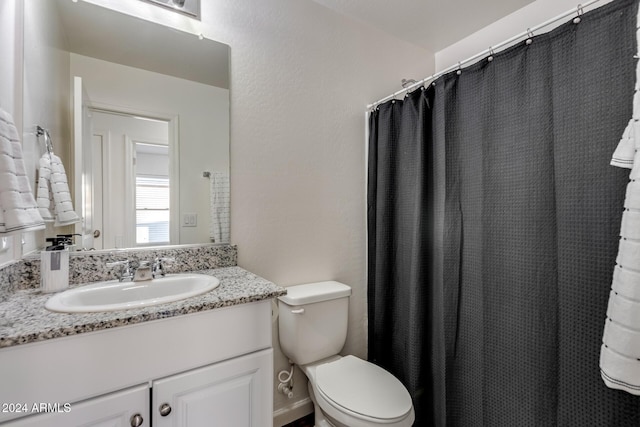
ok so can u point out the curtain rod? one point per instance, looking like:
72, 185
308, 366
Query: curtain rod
579, 10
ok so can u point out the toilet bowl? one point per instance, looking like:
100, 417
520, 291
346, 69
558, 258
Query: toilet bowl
353, 392
346, 391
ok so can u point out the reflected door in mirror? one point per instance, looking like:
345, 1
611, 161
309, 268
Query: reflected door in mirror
134, 190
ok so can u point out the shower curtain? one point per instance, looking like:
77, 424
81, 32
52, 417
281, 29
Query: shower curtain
493, 222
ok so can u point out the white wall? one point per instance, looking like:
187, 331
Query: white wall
11, 64
203, 114
47, 94
301, 76
11, 79
528, 17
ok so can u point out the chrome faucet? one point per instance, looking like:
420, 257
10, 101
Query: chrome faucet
143, 272
159, 266
125, 269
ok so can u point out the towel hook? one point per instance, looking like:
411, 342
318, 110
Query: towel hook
48, 143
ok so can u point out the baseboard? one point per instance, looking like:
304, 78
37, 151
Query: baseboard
292, 412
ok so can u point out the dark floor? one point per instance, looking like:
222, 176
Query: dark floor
302, 422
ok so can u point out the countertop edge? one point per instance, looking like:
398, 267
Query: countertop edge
236, 288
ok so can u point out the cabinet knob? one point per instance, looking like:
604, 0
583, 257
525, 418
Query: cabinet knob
136, 420
165, 409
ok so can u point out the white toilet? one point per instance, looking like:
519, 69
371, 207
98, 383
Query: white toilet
346, 391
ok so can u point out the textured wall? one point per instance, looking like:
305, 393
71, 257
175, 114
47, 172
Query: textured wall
515, 23
301, 76
47, 96
11, 78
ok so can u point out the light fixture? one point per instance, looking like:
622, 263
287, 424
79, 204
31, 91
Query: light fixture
188, 7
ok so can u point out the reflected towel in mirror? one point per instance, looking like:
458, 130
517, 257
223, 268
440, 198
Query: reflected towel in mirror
53, 196
18, 211
219, 222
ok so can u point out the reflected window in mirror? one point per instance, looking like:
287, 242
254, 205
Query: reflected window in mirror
152, 194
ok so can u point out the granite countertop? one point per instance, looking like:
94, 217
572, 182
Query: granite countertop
23, 318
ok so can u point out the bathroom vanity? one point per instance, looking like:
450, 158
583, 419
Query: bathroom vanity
206, 360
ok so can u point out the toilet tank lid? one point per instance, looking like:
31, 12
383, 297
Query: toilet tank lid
315, 292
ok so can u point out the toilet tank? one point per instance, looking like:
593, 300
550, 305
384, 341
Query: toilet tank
313, 321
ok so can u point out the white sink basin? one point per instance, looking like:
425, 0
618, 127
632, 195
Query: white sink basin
113, 295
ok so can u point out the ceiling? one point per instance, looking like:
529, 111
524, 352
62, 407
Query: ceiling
432, 24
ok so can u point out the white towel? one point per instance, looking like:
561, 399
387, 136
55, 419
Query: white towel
622, 339
623, 311
624, 154
626, 282
53, 197
620, 351
632, 198
219, 221
618, 367
18, 210
630, 227
629, 254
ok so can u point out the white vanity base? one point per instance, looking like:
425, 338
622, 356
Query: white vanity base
120, 360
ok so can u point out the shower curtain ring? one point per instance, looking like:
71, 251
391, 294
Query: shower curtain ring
490, 57
579, 12
529, 36
459, 71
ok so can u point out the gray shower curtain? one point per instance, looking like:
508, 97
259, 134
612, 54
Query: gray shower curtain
493, 219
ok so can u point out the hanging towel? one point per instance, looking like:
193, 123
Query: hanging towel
18, 211
626, 150
53, 196
620, 351
219, 222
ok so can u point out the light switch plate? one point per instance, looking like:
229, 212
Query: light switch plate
190, 220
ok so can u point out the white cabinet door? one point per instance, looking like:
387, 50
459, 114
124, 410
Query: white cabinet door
116, 409
236, 392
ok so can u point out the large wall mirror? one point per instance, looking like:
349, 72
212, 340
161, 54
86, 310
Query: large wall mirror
139, 114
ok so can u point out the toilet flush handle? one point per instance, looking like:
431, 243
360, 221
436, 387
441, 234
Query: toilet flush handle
298, 311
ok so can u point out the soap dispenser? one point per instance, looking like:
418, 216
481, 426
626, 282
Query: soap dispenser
54, 265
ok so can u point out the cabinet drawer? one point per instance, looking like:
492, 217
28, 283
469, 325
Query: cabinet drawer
112, 410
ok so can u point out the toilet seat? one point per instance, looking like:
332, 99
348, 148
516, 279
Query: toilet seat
350, 388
